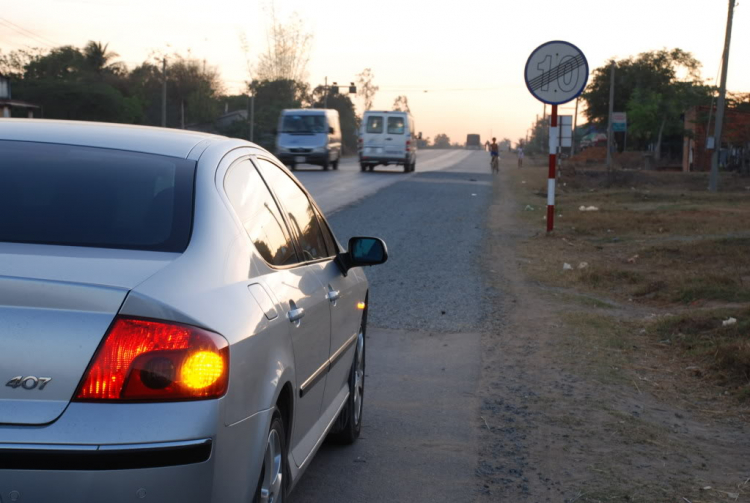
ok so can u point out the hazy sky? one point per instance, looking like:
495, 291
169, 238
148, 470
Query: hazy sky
469, 55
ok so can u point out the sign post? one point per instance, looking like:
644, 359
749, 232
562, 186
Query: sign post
556, 73
620, 125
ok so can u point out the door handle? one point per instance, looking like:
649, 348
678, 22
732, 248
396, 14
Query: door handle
295, 315
333, 295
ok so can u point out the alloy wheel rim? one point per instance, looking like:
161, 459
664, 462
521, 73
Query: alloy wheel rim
270, 489
359, 378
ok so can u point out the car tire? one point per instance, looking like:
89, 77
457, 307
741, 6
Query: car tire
273, 482
335, 164
372, 167
406, 167
413, 165
362, 166
293, 167
349, 423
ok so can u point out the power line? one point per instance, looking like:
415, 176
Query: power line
27, 33
445, 90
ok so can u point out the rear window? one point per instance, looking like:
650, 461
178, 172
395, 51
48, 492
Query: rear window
80, 196
375, 124
395, 125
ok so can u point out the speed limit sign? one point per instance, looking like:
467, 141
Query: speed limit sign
556, 72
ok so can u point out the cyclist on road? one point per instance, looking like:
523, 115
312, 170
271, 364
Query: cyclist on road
494, 155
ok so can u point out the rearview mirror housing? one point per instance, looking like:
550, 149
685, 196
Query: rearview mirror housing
362, 252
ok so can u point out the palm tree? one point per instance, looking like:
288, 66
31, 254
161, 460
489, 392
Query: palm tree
98, 58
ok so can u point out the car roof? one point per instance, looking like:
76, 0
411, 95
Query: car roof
386, 112
150, 140
303, 111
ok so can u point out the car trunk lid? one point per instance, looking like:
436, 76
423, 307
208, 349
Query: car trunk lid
55, 309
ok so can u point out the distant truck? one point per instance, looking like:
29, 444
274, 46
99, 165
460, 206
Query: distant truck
473, 142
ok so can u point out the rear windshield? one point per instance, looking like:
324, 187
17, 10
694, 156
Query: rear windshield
375, 124
303, 124
81, 196
395, 125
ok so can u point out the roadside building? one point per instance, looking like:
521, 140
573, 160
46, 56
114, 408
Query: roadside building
735, 148
221, 124
8, 104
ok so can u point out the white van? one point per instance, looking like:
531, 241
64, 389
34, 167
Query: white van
309, 136
387, 138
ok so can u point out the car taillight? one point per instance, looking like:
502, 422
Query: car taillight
146, 360
408, 145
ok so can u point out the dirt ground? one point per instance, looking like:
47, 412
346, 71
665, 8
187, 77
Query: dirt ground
593, 388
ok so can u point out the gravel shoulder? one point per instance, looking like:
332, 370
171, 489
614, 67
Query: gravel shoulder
564, 416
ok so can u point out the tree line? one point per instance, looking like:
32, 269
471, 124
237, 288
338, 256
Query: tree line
655, 89
89, 84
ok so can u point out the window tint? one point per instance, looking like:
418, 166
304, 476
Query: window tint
303, 124
259, 214
80, 196
375, 124
395, 125
333, 248
299, 211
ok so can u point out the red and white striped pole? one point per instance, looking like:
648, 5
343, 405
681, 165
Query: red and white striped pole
553, 143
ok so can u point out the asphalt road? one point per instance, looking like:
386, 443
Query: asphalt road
428, 305
334, 190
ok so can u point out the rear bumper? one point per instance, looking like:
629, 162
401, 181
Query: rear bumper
382, 159
181, 472
116, 453
310, 158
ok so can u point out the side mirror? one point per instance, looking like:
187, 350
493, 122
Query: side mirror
330, 130
363, 251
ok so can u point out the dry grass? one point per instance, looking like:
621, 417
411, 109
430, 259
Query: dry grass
658, 243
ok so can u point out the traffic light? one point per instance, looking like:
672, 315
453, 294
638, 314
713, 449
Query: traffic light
335, 88
352, 88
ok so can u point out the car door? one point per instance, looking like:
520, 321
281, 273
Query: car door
346, 295
311, 333
374, 135
395, 140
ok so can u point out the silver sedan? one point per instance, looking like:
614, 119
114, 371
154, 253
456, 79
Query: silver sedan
177, 321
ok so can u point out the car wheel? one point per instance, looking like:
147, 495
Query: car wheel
293, 166
413, 165
273, 483
362, 166
349, 423
372, 166
335, 164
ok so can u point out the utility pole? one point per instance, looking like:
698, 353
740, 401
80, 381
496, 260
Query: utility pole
713, 181
325, 94
573, 131
252, 116
611, 111
164, 92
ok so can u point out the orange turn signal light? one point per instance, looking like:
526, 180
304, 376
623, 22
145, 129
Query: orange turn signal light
360, 305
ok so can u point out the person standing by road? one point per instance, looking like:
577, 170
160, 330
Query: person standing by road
520, 157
